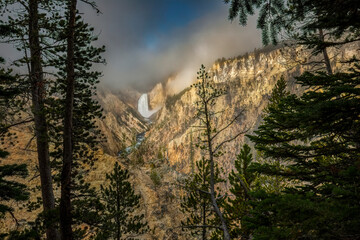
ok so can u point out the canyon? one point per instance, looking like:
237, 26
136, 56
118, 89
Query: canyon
154, 133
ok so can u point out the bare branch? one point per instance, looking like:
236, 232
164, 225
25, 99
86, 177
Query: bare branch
15, 124
228, 125
229, 140
93, 5
15, 219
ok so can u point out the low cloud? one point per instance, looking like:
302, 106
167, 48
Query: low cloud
131, 61
181, 52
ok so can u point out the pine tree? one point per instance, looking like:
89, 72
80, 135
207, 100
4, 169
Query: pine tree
242, 182
53, 28
120, 217
315, 137
207, 95
10, 105
29, 33
201, 220
85, 136
65, 201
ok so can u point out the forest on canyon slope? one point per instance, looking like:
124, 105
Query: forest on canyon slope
261, 144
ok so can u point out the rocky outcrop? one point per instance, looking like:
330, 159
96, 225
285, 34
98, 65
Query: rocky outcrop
157, 96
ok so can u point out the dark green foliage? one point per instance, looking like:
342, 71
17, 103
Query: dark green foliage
302, 19
315, 138
10, 106
86, 136
278, 93
197, 205
242, 182
271, 16
155, 177
120, 217
10, 189
86, 109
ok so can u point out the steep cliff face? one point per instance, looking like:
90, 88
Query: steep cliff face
249, 79
157, 96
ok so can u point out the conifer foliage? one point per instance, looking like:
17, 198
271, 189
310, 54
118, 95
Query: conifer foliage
315, 137
302, 19
201, 221
208, 94
120, 217
242, 181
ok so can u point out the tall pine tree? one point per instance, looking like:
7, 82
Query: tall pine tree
84, 135
207, 93
120, 219
242, 181
315, 137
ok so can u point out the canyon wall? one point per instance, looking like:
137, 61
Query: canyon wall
249, 80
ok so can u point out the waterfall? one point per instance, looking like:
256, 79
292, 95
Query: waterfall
143, 106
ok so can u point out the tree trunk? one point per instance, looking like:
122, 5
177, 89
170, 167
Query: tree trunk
204, 208
41, 128
118, 223
212, 174
65, 203
204, 221
325, 54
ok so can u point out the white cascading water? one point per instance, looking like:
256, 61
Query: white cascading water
143, 106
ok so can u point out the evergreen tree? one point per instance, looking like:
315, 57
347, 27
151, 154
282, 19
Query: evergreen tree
65, 201
315, 137
53, 28
29, 32
207, 95
85, 135
120, 219
242, 182
201, 220
11, 104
